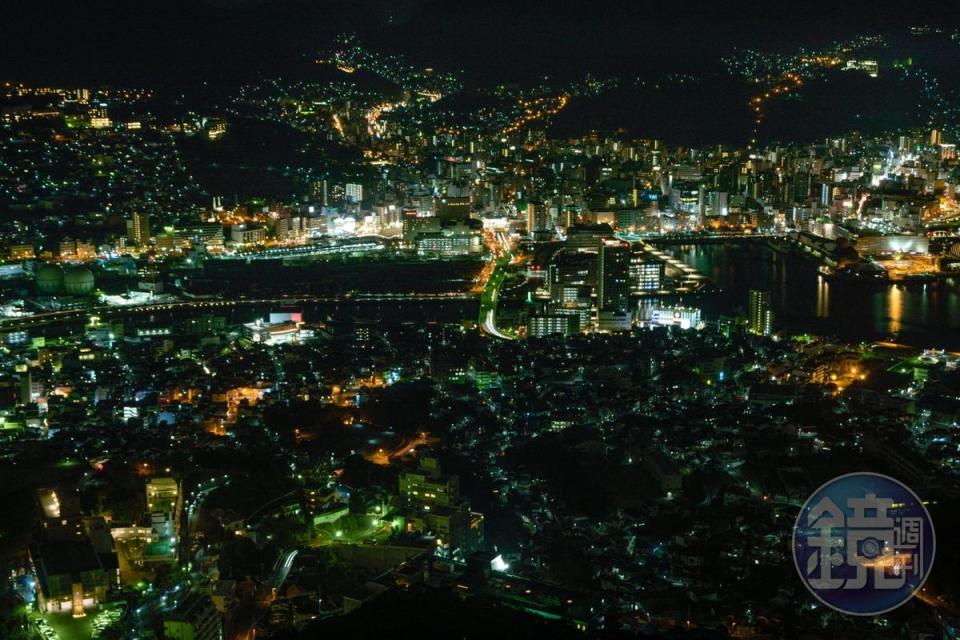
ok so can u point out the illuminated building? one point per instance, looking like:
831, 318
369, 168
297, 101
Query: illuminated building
243, 235
85, 250
99, 118
538, 222
443, 237
613, 286
427, 486
687, 197
22, 252
572, 279
573, 302
353, 193
437, 507
202, 235
761, 315
646, 273
67, 249
387, 215
71, 575
216, 129
138, 229
682, 317
870, 67
282, 332
539, 326
717, 204
450, 241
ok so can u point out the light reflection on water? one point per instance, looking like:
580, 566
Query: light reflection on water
926, 315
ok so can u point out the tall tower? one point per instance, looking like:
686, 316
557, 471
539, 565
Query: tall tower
761, 315
138, 229
613, 276
537, 222
354, 193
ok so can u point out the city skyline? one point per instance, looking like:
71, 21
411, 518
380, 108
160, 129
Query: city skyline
425, 319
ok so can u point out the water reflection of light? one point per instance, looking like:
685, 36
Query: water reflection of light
823, 297
895, 307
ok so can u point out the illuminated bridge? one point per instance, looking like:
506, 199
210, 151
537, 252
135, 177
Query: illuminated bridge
686, 238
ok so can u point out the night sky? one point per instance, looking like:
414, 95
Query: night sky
182, 41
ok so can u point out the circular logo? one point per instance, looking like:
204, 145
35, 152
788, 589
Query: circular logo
863, 544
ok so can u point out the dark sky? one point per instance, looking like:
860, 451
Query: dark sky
181, 41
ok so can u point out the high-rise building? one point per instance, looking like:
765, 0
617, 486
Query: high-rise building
717, 205
613, 286
353, 193
537, 221
826, 194
761, 314
613, 276
138, 229
646, 273
572, 269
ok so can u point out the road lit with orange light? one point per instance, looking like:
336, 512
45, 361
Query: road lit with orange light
782, 86
535, 110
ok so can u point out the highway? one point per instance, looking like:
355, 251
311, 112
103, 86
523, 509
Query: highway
488, 301
490, 328
494, 273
